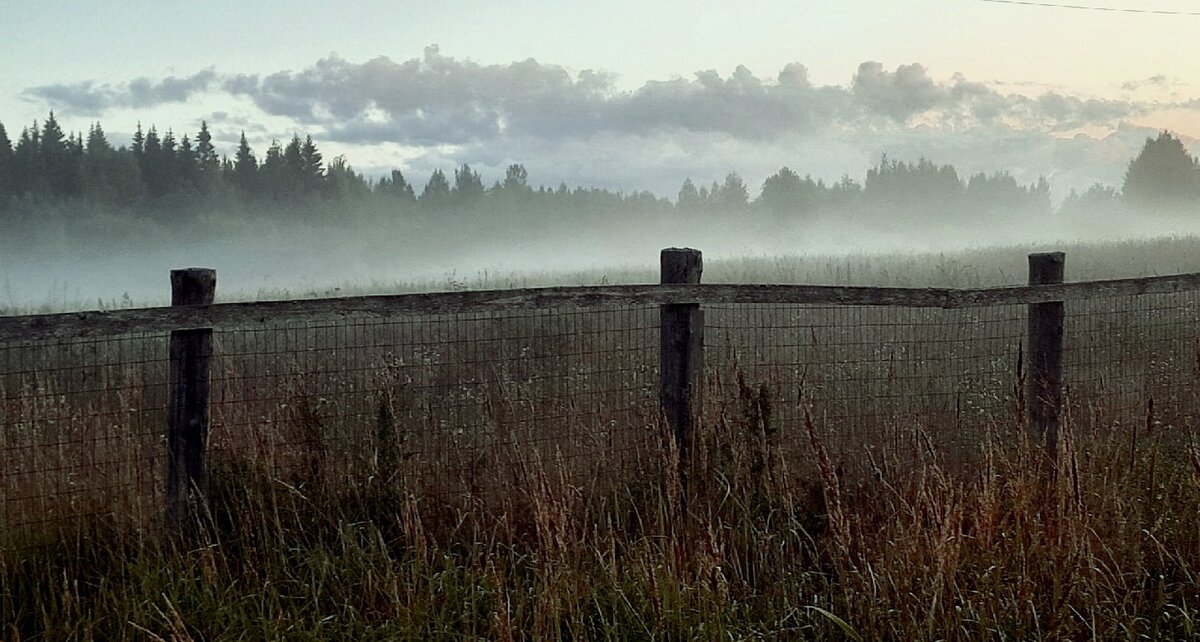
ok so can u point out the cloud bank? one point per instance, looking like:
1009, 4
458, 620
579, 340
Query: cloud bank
493, 113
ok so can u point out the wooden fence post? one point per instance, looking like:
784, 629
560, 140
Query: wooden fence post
681, 359
187, 421
1045, 350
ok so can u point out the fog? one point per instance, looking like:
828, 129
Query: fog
58, 262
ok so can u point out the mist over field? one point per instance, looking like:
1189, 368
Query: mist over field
440, 171
73, 259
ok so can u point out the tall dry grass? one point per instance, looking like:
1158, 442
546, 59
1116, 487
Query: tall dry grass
481, 478
1107, 549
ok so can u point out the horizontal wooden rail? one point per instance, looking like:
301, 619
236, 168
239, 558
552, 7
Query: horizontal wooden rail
49, 327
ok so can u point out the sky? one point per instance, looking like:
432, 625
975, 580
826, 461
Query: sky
622, 94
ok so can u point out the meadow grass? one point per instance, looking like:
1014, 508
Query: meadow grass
1104, 549
762, 533
977, 267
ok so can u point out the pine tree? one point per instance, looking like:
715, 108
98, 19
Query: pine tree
1164, 174
781, 191
516, 179
468, 187
56, 158
313, 170
6, 166
168, 170
138, 146
436, 194
208, 166
294, 168
396, 186
689, 197
342, 182
97, 159
245, 169
152, 164
272, 174
734, 195
28, 178
187, 164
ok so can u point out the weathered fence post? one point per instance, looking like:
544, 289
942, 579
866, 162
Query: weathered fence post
681, 360
1045, 350
187, 421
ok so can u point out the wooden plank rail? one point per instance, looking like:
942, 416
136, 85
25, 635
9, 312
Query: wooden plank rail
50, 327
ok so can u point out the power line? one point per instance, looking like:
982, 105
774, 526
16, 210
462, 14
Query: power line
1082, 7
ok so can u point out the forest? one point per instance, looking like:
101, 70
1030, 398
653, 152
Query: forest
168, 175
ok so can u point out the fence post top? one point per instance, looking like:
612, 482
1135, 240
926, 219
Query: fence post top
1053, 257
681, 265
1046, 267
193, 286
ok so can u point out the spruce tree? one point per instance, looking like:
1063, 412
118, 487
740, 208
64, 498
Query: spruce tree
272, 174
436, 194
138, 146
97, 163
245, 168
313, 169
208, 165
56, 158
6, 166
152, 163
294, 170
689, 197
468, 187
28, 178
1164, 174
187, 166
396, 187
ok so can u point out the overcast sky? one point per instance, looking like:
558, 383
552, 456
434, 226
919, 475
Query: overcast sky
623, 94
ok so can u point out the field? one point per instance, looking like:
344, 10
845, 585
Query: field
859, 472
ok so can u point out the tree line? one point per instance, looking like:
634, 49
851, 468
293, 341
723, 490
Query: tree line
45, 163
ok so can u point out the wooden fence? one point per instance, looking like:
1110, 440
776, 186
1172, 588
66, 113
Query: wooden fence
193, 316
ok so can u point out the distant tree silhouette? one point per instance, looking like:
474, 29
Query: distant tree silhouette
28, 179
436, 194
468, 186
785, 191
6, 166
1097, 199
1000, 191
187, 163
1163, 174
924, 183
395, 186
245, 168
207, 161
313, 170
273, 174
688, 198
516, 179
57, 160
732, 195
342, 182
153, 164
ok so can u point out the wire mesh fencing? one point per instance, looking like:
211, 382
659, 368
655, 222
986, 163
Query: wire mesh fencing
1132, 364
441, 403
457, 403
81, 428
877, 383
438, 404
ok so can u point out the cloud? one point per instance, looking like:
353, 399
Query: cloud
1158, 82
579, 126
89, 98
440, 100
900, 94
